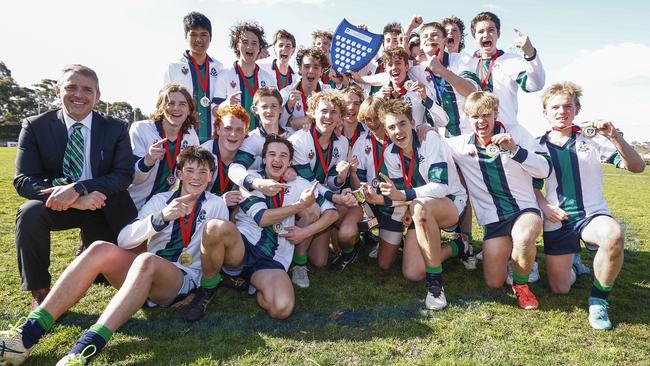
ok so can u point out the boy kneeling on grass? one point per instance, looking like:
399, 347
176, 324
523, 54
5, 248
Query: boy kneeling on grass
172, 223
260, 246
574, 207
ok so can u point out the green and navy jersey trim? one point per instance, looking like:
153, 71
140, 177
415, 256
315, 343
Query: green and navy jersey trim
416, 179
497, 184
174, 246
564, 160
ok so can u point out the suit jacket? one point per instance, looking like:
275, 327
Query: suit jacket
39, 159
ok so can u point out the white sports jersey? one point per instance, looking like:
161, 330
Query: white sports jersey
306, 159
266, 239
436, 115
300, 107
166, 240
368, 151
272, 69
500, 186
143, 134
183, 72
451, 101
576, 184
249, 155
435, 176
509, 73
229, 82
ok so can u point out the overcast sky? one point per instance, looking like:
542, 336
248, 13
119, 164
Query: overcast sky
603, 46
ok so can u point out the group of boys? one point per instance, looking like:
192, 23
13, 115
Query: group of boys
245, 173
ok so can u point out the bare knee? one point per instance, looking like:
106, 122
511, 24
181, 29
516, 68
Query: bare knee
412, 274
348, 233
282, 307
216, 231
613, 240
560, 288
492, 282
144, 265
102, 250
318, 261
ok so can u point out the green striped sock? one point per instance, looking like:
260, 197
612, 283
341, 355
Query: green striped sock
300, 260
100, 329
519, 279
42, 317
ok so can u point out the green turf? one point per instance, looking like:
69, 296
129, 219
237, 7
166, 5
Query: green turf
365, 316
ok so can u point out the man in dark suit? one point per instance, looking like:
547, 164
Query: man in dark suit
73, 166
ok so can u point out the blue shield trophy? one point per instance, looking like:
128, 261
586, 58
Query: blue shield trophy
353, 48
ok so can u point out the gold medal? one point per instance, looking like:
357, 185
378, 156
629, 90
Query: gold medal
205, 102
492, 150
171, 179
375, 183
408, 84
277, 228
185, 259
589, 131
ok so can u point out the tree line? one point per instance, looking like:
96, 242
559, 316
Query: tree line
18, 102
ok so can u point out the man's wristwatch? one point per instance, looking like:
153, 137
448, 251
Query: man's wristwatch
79, 188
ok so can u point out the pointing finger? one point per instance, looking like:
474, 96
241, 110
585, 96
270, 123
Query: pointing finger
159, 142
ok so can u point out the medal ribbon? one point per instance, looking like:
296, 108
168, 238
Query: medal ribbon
324, 164
278, 76
303, 97
355, 136
573, 128
223, 176
440, 89
381, 157
186, 232
281, 194
171, 161
484, 80
203, 82
250, 89
400, 92
407, 178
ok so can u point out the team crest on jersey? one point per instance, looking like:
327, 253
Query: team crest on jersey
335, 153
367, 150
201, 217
311, 154
429, 77
420, 158
233, 84
583, 147
185, 70
298, 106
286, 190
263, 84
369, 72
213, 72
408, 101
184, 144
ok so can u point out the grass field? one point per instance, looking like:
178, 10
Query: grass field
365, 316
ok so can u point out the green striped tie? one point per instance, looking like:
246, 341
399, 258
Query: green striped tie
73, 159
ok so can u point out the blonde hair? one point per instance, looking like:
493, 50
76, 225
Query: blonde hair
568, 88
481, 102
369, 109
396, 107
331, 96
